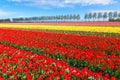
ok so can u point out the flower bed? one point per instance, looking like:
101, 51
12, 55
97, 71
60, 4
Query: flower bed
99, 56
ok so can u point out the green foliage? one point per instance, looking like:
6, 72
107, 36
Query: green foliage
4, 75
73, 78
40, 71
114, 20
61, 77
21, 76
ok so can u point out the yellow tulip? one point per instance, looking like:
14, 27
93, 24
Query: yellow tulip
108, 29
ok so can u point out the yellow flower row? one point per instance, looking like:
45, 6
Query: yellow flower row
105, 29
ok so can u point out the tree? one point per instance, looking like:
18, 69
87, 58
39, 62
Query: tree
62, 17
44, 18
40, 19
27, 19
89, 15
13, 19
70, 17
78, 17
110, 14
48, 18
5, 20
94, 15
115, 14
99, 15
33, 18
65, 17
58, 17
118, 19
119, 15
21, 19
54, 19
104, 16
74, 17
86, 16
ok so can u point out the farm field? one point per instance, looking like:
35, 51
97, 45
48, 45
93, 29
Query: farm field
33, 51
72, 27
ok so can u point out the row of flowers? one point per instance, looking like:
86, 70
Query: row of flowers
61, 45
87, 28
108, 45
19, 64
107, 67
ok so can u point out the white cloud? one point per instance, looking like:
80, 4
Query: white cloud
8, 14
64, 3
90, 2
46, 3
18, 0
3, 13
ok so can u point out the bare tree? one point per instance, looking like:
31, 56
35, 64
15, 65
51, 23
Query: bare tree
119, 15
104, 16
86, 17
115, 14
110, 14
90, 16
78, 17
94, 16
99, 16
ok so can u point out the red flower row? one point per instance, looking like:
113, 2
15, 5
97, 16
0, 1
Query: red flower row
50, 42
16, 64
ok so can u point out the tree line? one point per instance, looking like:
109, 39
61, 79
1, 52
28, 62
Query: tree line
5, 20
57, 18
102, 16
91, 16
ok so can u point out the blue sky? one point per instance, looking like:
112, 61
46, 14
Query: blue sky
30, 8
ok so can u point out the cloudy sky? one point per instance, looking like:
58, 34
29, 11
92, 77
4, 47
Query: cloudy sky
28, 8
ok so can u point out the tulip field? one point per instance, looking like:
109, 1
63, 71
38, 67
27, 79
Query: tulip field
63, 27
27, 53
